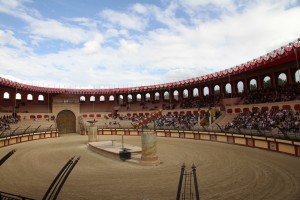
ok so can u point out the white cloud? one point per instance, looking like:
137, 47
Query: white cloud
167, 16
94, 45
195, 4
12, 3
86, 22
40, 28
178, 48
7, 38
139, 8
128, 47
124, 20
53, 29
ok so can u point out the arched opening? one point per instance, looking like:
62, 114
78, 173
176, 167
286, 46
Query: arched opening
217, 89
29, 97
228, 89
18, 96
102, 98
92, 99
66, 122
267, 82
41, 97
297, 75
82, 99
176, 95
166, 95
185, 94
121, 99
148, 97
6, 95
129, 98
205, 91
111, 98
281, 79
138, 97
156, 96
240, 87
195, 92
253, 84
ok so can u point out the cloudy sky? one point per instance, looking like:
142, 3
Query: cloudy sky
123, 43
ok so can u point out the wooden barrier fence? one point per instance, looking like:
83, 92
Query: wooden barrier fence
266, 143
27, 137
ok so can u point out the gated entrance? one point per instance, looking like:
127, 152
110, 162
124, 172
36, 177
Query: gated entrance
66, 122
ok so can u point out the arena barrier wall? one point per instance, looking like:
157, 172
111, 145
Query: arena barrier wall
27, 137
270, 144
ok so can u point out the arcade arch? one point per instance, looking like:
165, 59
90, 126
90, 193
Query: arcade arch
205, 91
217, 89
148, 97
29, 97
166, 95
41, 97
18, 96
129, 98
185, 93
282, 79
267, 82
92, 99
176, 95
6, 95
253, 84
138, 97
121, 99
102, 98
156, 96
240, 87
111, 98
228, 89
82, 99
195, 92
297, 76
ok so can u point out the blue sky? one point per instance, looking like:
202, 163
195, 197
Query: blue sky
124, 43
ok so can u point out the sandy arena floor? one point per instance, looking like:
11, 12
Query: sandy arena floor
224, 171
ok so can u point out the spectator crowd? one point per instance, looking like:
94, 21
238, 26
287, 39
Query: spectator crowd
286, 92
177, 121
174, 121
266, 120
6, 120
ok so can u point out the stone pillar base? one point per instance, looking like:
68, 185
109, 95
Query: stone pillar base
92, 135
149, 149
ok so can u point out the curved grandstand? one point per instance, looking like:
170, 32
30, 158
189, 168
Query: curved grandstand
255, 104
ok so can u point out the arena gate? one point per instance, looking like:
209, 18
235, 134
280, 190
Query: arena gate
66, 122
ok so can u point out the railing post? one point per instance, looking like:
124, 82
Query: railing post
180, 181
195, 182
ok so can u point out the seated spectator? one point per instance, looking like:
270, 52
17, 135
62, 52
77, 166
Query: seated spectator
287, 92
266, 120
6, 120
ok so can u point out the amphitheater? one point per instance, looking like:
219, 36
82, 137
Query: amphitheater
204, 122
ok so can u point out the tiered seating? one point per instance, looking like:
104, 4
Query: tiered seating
141, 106
286, 120
286, 92
196, 102
223, 120
33, 124
179, 121
6, 121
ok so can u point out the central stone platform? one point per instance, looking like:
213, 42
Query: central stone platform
127, 152
111, 149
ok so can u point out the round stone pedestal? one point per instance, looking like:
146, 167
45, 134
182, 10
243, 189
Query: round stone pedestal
149, 149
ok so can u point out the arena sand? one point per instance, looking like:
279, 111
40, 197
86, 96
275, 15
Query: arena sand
224, 171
